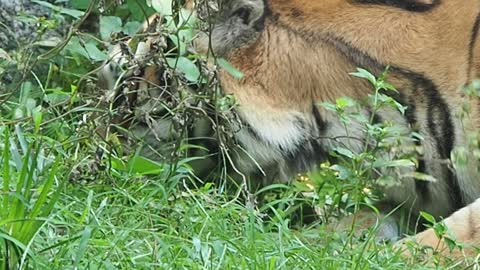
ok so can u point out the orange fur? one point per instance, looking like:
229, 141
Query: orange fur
424, 43
302, 55
306, 49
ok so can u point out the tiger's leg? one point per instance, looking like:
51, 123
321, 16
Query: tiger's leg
463, 226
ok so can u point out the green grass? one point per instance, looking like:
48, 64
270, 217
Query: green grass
70, 200
127, 220
137, 222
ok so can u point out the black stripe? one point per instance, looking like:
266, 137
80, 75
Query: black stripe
420, 186
409, 5
377, 119
440, 124
473, 42
308, 152
260, 23
442, 132
321, 124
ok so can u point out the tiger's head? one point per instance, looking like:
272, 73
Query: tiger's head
240, 22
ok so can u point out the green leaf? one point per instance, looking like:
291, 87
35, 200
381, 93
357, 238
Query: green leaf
362, 73
164, 7
344, 102
131, 28
109, 25
226, 102
229, 68
144, 166
393, 163
427, 217
179, 44
82, 246
343, 173
72, 12
344, 152
138, 165
15, 241
186, 66
80, 4
187, 19
140, 10
66, 11
6, 176
49, 42
94, 53
47, 187
387, 86
19, 204
37, 118
56, 95
451, 243
440, 229
329, 106
422, 177
75, 47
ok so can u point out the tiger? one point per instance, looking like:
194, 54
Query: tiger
138, 90
297, 54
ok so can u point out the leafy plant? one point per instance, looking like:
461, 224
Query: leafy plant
357, 175
30, 189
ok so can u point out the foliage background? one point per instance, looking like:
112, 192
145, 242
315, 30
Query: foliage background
73, 199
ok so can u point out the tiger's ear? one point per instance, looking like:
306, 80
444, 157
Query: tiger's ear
248, 11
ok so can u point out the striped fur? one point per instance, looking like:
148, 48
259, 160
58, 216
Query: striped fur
296, 54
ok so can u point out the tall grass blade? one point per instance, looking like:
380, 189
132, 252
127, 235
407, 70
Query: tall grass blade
6, 174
